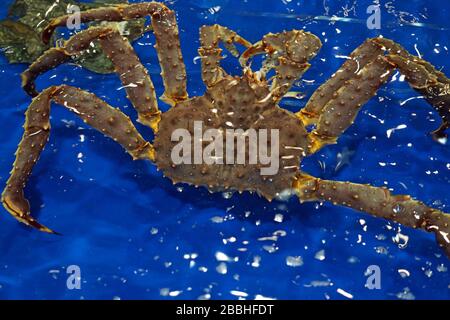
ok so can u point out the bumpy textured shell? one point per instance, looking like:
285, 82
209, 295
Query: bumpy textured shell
236, 102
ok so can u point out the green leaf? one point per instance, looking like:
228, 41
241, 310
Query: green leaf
20, 38
19, 42
38, 13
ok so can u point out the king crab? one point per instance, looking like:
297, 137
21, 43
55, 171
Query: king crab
247, 101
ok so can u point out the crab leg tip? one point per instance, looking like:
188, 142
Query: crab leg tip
34, 224
20, 211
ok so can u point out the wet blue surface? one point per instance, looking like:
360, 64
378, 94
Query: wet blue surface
134, 235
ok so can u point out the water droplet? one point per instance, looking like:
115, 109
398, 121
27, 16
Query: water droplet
261, 297
428, 273
390, 131
214, 10
352, 260
381, 250
296, 261
401, 240
442, 140
280, 233
164, 292
196, 59
205, 296
441, 268
217, 219
175, 293
403, 273
270, 249
220, 256
344, 293
54, 273
397, 208
278, 218
320, 255
222, 268
406, 294
239, 293
319, 283
227, 194
380, 237
256, 261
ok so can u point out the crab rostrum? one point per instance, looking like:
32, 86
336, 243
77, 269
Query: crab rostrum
249, 101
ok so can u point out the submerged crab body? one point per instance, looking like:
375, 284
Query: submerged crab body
233, 105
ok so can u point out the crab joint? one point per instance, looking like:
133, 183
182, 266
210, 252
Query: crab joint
318, 141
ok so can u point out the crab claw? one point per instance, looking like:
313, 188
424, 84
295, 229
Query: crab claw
19, 207
417, 75
48, 32
432, 84
295, 45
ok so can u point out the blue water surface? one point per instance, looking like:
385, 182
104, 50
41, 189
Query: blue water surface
135, 235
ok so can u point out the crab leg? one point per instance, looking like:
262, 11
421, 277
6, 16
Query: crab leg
359, 58
424, 78
165, 28
437, 93
53, 57
94, 111
378, 202
134, 76
340, 112
334, 106
211, 54
50, 59
288, 53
